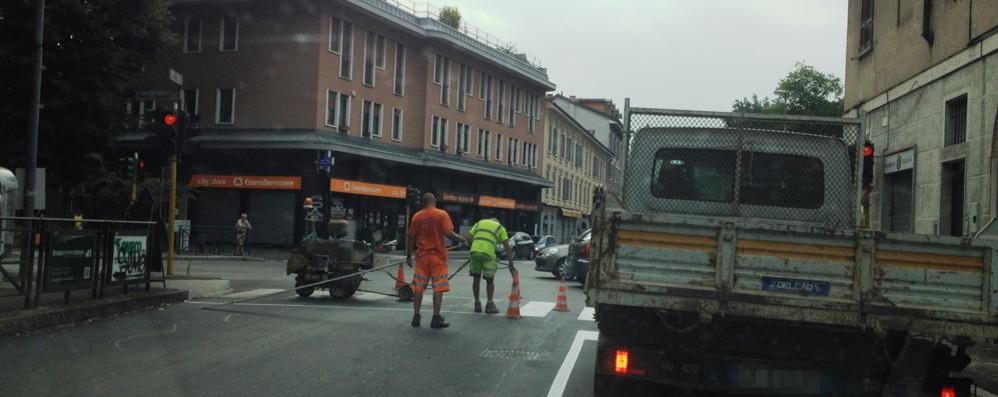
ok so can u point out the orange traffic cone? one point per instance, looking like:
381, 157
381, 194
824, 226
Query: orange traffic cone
562, 302
401, 287
514, 299
400, 277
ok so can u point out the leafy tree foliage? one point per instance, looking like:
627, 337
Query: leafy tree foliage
804, 91
450, 16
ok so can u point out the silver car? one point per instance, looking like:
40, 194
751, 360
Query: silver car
554, 259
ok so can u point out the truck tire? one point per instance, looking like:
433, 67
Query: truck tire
305, 292
561, 268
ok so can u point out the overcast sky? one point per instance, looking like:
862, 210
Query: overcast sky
687, 54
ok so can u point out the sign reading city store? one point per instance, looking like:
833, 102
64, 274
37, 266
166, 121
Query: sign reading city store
245, 182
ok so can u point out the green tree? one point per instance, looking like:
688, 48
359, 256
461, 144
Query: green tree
450, 16
804, 91
508, 48
93, 49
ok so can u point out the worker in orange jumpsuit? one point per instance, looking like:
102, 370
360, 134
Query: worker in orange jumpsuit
426, 238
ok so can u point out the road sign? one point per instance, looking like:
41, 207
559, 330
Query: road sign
176, 78
160, 96
326, 161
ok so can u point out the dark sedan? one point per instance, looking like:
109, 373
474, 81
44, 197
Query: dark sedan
554, 259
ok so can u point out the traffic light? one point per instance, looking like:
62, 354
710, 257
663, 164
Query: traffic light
868, 151
413, 197
128, 166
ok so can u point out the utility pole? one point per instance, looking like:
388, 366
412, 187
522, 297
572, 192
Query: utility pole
31, 169
172, 220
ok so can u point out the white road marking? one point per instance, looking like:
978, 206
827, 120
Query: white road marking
408, 308
587, 314
253, 293
984, 393
536, 309
561, 379
367, 296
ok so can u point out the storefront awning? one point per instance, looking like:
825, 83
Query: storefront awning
311, 139
366, 188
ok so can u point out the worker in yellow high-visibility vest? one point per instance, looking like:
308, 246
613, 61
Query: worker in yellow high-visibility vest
485, 235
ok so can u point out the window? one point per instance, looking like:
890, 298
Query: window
481, 142
463, 134
781, 180
346, 57
371, 124
397, 125
510, 151
332, 100
444, 71
190, 102
516, 99
379, 53
225, 105
526, 154
488, 141
438, 69
228, 37
533, 157
501, 100
343, 110
534, 114
462, 81
956, 120
866, 26
499, 147
399, 69
481, 86
439, 133
512, 106
335, 33
579, 154
487, 86
469, 82
369, 50
551, 139
192, 35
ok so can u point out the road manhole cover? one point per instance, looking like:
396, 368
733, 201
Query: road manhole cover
513, 354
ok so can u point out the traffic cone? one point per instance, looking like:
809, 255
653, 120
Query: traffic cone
400, 277
514, 299
562, 302
403, 289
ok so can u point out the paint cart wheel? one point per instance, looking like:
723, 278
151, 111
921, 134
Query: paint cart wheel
405, 293
305, 292
344, 288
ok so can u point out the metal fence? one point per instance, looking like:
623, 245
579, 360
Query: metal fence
209, 240
796, 168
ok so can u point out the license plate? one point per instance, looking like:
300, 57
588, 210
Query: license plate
796, 286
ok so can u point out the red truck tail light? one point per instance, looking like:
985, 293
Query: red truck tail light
585, 250
947, 391
621, 361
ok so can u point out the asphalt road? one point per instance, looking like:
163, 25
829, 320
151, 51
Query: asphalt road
286, 345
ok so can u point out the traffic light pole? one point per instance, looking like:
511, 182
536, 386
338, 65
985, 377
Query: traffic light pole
172, 214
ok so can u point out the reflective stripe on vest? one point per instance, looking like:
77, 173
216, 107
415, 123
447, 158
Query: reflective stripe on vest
480, 237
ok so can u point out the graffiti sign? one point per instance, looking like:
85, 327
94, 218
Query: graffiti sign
128, 258
70, 261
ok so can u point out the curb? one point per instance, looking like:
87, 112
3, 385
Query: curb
47, 317
218, 258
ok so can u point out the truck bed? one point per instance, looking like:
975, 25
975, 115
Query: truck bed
782, 271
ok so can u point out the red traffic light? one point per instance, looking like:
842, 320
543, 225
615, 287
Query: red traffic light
868, 150
170, 119
142, 164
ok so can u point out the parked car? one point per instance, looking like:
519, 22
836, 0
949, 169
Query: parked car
554, 259
541, 242
522, 245
578, 255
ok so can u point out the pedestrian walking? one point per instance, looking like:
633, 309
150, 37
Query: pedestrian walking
426, 239
243, 227
485, 235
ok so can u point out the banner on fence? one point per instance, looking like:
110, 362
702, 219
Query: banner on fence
128, 258
70, 261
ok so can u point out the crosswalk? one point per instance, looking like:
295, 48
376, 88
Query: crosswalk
536, 309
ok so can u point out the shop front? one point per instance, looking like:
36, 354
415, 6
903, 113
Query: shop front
374, 212
266, 199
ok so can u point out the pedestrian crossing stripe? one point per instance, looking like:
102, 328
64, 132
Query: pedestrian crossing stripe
368, 296
588, 314
536, 309
252, 293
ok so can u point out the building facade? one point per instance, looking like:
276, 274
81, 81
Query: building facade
575, 163
602, 119
931, 116
394, 98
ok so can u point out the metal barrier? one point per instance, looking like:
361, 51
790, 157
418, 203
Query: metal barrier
744, 165
209, 240
63, 255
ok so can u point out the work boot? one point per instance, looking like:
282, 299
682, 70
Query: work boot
415, 320
491, 308
478, 307
439, 322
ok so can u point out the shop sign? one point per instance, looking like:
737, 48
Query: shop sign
246, 182
571, 213
496, 202
899, 161
460, 198
70, 261
528, 207
366, 189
